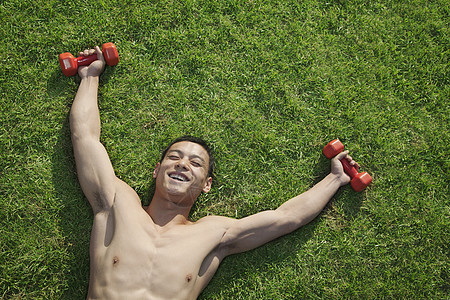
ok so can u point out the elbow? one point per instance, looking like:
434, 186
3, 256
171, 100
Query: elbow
77, 129
80, 131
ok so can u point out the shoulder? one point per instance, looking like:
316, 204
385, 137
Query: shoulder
124, 198
124, 190
217, 226
214, 220
212, 230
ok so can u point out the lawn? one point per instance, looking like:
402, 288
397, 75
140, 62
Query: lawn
268, 84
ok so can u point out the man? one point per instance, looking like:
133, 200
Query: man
156, 252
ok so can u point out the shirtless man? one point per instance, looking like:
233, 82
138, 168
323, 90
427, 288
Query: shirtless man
156, 252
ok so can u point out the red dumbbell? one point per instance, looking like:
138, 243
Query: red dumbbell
359, 180
70, 64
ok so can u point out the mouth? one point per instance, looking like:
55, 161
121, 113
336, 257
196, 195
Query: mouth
179, 177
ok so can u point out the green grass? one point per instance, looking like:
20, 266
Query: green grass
268, 83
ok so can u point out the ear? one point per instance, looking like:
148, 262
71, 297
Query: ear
155, 172
207, 186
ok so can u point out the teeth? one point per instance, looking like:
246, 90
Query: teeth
177, 177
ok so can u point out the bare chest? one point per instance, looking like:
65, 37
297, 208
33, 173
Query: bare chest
172, 264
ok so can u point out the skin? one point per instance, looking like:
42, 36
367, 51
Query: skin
156, 252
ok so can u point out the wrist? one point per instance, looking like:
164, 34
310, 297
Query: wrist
89, 85
90, 80
335, 180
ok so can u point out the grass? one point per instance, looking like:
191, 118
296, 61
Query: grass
268, 83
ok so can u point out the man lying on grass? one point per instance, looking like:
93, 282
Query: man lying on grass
156, 252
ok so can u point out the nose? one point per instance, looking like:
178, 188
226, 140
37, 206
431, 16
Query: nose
182, 164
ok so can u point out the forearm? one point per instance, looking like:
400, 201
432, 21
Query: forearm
84, 114
303, 208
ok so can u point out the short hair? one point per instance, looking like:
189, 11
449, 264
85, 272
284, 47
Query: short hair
197, 140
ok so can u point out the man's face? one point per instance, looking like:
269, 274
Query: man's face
183, 173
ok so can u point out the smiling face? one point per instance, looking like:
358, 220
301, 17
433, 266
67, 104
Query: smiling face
183, 173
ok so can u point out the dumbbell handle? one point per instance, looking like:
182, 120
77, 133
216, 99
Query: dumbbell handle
348, 168
109, 52
334, 148
359, 180
86, 60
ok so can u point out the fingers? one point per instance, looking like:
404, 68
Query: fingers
99, 53
88, 52
344, 155
352, 162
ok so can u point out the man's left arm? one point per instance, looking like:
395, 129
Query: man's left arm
255, 230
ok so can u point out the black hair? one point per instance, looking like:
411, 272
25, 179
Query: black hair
197, 140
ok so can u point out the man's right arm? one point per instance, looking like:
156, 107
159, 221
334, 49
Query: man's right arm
95, 171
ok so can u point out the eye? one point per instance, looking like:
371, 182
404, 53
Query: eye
173, 157
196, 164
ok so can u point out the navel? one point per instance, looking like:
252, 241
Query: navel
188, 277
115, 260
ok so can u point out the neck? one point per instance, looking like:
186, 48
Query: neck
164, 211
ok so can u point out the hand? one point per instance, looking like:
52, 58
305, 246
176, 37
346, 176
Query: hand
96, 67
337, 168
